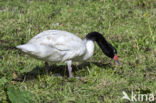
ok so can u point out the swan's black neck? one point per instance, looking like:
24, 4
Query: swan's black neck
106, 47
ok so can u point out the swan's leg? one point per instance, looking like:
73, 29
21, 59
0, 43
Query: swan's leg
69, 63
46, 67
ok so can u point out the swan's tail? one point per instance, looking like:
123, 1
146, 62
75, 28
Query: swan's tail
26, 48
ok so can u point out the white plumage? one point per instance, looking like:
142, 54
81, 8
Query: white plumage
57, 45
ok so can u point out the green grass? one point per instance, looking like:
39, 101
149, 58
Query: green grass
130, 25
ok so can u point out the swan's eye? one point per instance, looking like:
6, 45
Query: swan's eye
114, 51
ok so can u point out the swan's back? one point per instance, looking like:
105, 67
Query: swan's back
54, 45
55, 35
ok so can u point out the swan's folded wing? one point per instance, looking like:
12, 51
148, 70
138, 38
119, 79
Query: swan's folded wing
70, 45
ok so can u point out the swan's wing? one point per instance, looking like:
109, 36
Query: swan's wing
71, 48
61, 40
64, 42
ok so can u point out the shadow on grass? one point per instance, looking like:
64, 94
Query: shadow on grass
59, 71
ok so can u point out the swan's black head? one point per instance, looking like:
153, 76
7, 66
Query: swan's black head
106, 47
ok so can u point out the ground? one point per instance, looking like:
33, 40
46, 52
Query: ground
129, 25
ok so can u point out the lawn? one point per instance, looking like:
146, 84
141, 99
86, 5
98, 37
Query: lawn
129, 25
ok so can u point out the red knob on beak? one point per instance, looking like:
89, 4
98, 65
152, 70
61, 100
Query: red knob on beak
116, 59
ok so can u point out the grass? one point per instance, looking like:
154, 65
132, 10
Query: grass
130, 25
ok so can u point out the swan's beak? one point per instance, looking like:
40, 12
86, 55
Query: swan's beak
116, 59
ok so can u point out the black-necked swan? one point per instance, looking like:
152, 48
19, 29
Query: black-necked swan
58, 45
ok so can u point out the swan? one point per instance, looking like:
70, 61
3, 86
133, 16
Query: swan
62, 46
